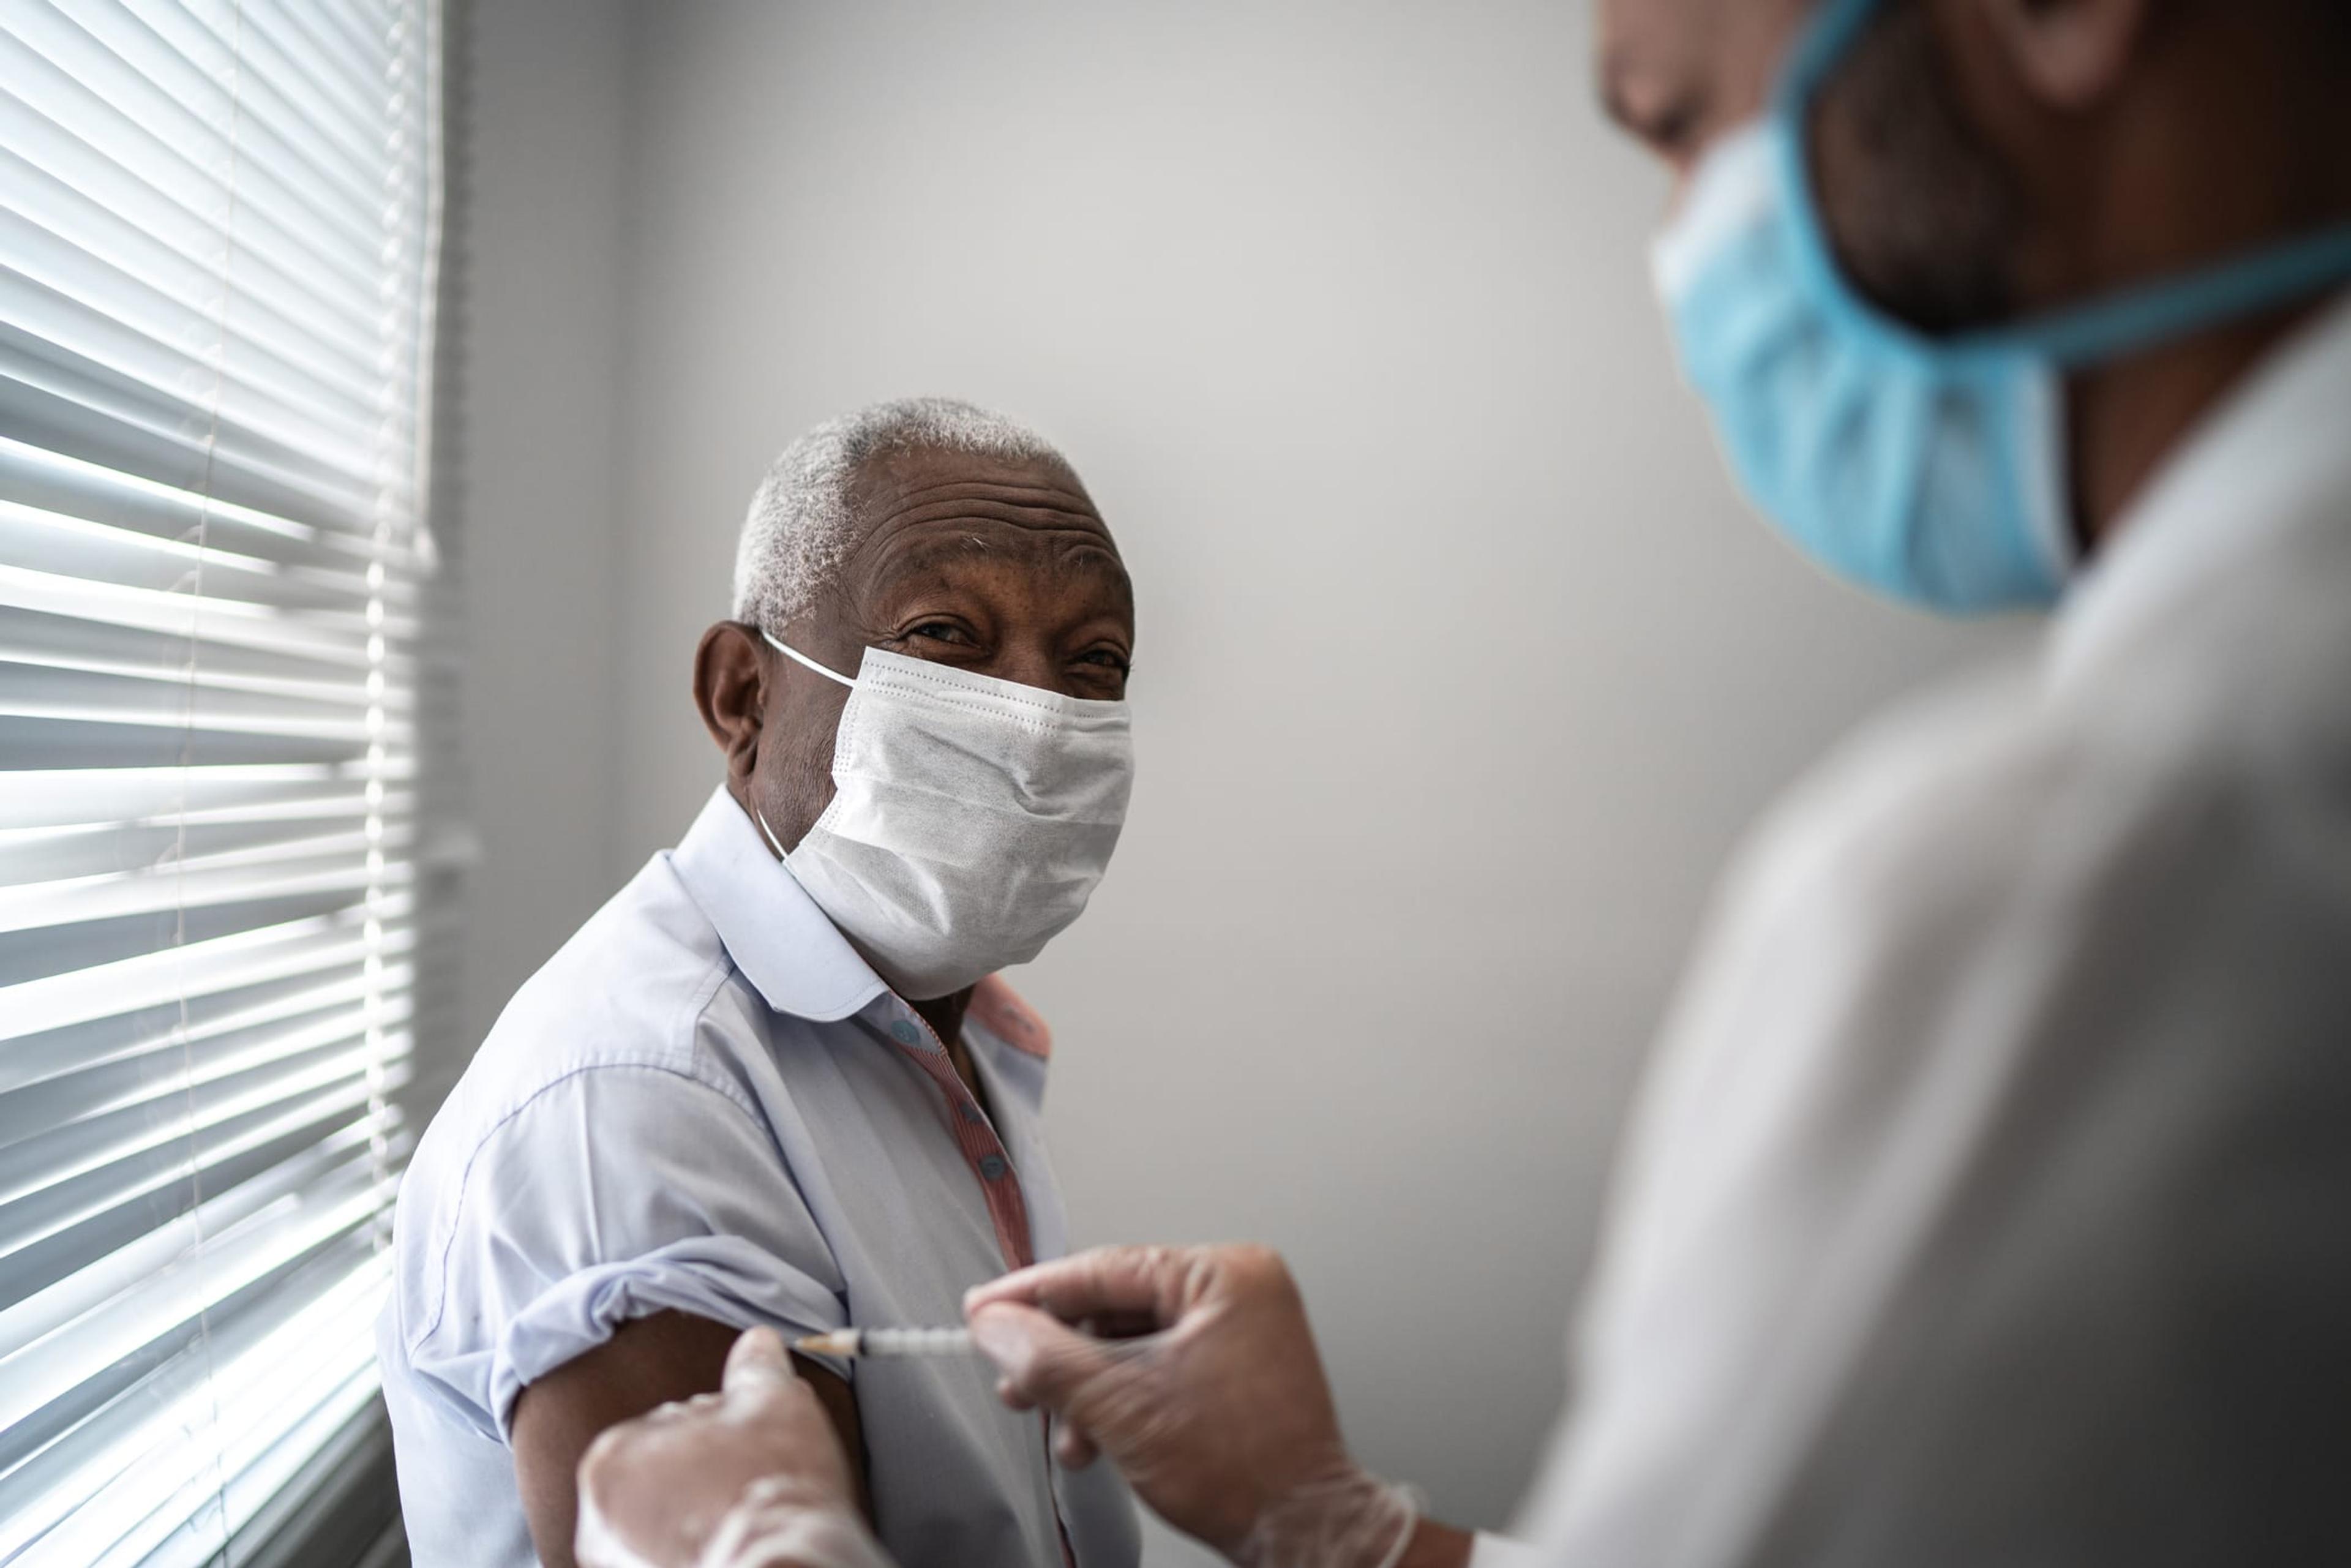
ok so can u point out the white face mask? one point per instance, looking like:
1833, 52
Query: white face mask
970, 820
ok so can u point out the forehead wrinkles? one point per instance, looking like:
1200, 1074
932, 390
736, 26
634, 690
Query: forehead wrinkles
925, 528
1059, 554
1023, 505
894, 502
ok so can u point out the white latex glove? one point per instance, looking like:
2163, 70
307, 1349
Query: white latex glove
750, 1477
1218, 1412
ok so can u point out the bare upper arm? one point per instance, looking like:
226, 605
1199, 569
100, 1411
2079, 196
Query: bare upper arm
647, 1362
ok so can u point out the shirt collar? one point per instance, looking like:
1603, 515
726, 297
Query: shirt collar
772, 929
2274, 457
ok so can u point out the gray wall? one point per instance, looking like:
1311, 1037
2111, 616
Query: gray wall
1460, 667
540, 272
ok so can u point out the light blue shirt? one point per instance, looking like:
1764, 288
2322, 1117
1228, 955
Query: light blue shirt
707, 1101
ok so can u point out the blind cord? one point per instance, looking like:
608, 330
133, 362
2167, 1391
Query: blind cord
187, 762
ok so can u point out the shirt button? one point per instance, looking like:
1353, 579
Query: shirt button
903, 1031
992, 1167
969, 1112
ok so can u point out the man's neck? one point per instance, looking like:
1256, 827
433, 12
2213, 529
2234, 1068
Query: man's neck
2129, 417
2225, 141
945, 1015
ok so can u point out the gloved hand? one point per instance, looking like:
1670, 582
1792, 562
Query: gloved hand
750, 1477
1218, 1412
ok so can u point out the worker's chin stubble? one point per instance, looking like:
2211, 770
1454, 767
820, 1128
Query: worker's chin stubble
1922, 214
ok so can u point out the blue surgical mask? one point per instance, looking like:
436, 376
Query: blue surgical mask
1930, 469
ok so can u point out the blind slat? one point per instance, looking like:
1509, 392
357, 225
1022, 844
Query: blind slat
52, 1234
136, 336
116, 1455
38, 1317
218, 228
221, 964
74, 547
70, 798
60, 852
62, 276
32, 691
168, 887
216, 1267
56, 484
324, 138
87, 389
328, 638
36, 644
81, 410
331, 829
73, 126
229, 141
52, 1108
108, 1427
78, 192
205, 1023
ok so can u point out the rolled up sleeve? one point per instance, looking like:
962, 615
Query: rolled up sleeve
611, 1194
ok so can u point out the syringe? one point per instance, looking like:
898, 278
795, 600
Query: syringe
887, 1342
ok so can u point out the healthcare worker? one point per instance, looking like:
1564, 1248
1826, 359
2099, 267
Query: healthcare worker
1989, 1202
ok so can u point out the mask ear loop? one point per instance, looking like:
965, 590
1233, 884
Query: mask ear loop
831, 675
798, 657
773, 842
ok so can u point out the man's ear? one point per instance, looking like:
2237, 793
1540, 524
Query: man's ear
2070, 54
730, 689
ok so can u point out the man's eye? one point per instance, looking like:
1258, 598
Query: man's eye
940, 632
1108, 658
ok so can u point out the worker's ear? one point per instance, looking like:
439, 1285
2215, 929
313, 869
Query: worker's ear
730, 689
2069, 54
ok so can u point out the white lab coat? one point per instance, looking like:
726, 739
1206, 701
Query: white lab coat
1990, 1200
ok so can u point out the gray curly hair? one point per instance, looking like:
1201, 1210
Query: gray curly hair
800, 531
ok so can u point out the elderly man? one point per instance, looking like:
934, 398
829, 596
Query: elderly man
1987, 1202
775, 1081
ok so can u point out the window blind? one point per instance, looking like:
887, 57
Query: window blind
219, 223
